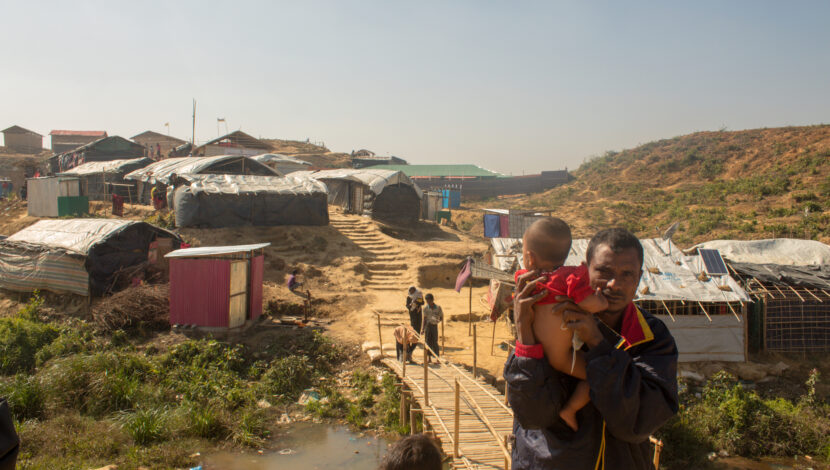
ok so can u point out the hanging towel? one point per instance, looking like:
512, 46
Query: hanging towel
504, 226
491, 226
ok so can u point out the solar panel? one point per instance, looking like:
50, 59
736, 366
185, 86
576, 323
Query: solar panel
713, 262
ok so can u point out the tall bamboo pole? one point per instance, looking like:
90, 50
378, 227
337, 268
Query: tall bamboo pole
380, 339
475, 351
426, 375
403, 406
470, 313
457, 430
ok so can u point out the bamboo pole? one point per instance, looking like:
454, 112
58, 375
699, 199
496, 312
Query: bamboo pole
796, 293
704, 311
457, 430
443, 338
506, 388
380, 338
426, 374
405, 352
733, 312
403, 406
412, 421
506, 460
667, 309
658, 448
814, 295
475, 352
493, 341
470, 313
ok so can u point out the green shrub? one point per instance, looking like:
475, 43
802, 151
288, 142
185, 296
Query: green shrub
287, 377
26, 397
204, 421
251, 429
145, 426
20, 340
69, 341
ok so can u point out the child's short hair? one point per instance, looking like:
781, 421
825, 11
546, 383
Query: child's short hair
550, 239
417, 452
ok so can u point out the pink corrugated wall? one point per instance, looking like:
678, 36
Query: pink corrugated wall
257, 265
199, 290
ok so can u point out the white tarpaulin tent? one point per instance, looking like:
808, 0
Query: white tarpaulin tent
785, 251
161, 171
110, 167
375, 179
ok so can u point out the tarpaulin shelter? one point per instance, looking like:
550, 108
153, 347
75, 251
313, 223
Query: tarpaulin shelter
705, 314
102, 150
55, 196
284, 164
385, 195
216, 286
232, 200
789, 281
235, 143
78, 256
99, 180
162, 172
509, 223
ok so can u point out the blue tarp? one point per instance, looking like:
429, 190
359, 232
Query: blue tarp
491, 226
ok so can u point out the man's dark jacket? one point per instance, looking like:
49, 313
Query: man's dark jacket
633, 383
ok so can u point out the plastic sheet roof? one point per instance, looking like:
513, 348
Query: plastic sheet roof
374, 178
112, 166
278, 158
254, 184
160, 172
214, 250
783, 251
668, 273
74, 235
816, 276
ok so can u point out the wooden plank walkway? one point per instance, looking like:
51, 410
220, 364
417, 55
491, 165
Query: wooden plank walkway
485, 421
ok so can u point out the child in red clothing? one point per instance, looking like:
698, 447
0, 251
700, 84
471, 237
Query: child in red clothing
545, 247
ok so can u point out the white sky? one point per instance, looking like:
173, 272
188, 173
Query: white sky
512, 86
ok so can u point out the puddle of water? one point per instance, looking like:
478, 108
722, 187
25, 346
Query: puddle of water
740, 463
308, 446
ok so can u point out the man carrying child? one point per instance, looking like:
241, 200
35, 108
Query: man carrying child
591, 406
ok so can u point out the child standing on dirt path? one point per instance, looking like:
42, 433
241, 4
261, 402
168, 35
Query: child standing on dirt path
545, 247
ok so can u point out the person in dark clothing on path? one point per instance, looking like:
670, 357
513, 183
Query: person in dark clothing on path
414, 303
631, 365
433, 315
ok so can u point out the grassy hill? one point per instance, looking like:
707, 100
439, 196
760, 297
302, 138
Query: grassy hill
748, 184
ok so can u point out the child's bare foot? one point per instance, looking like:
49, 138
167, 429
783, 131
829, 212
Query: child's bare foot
569, 417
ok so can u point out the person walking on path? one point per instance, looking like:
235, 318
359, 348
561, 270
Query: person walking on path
433, 315
414, 303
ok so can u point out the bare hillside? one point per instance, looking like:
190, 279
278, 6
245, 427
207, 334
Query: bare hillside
744, 184
319, 157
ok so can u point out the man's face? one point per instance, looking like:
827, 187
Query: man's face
618, 274
431, 302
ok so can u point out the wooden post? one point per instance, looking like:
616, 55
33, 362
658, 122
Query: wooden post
506, 460
412, 420
426, 375
745, 316
405, 353
443, 349
403, 406
493, 341
457, 430
475, 352
380, 339
658, 448
470, 313
505, 393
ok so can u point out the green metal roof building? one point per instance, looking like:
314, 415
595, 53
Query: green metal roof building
442, 171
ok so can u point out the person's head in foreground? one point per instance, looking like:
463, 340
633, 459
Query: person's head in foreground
417, 452
615, 264
430, 300
412, 289
546, 244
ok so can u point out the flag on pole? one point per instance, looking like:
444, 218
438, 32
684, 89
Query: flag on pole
463, 275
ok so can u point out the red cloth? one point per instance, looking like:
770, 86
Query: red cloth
504, 226
570, 281
533, 351
117, 205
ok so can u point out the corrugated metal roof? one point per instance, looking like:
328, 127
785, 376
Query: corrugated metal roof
18, 130
161, 171
112, 166
440, 171
81, 133
214, 250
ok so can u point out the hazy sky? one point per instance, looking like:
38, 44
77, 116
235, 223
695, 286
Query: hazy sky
513, 86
